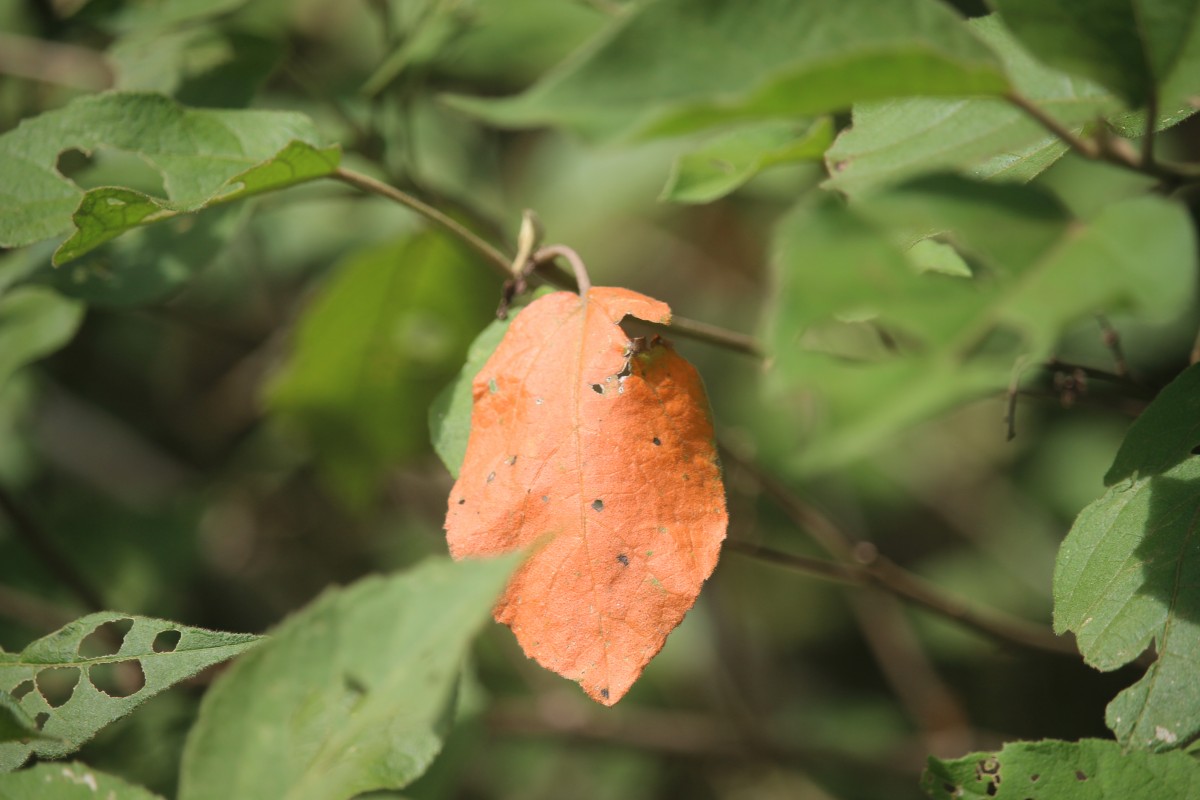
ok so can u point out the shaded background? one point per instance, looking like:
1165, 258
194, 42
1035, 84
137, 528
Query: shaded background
242, 418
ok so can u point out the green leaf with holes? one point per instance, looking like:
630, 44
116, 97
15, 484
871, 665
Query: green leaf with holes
855, 321
675, 66
89, 673
34, 322
728, 161
68, 781
1128, 573
1090, 769
892, 140
204, 157
352, 694
1134, 47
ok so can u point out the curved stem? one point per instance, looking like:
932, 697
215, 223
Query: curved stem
550, 252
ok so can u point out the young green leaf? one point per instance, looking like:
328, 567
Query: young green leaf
987, 137
372, 350
1128, 573
675, 66
1134, 47
1090, 769
725, 163
61, 685
34, 322
845, 283
204, 156
350, 695
68, 781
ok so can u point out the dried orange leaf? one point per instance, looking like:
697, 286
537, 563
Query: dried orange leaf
607, 454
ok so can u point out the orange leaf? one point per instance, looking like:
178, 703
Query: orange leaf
609, 455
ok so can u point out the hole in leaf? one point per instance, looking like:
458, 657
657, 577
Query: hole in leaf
118, 679
462, 500
71, 162
991, 790
597, 388
491, 477
510, 460
41, 719
22, 689
598, 504
57, 684
545, 498
657, 441
166, 641
604, 693
492, 387
624, 559
105, 640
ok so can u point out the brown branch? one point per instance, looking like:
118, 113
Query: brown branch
545, 270
860, 563
48, 552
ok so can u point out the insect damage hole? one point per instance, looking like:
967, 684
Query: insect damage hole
57, 684
598, 504
22, 689
657, 441
118, 679
624, 559
166, 641
597, 388
106, 639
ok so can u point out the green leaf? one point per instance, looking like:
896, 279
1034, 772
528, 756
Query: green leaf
204, 157
1130, 46
986, 137
674, 66
69, 781
15, 724
372, 351
350, 695
34, 322
1090, 769
64, 657
856, 322
725, 163
1128, 573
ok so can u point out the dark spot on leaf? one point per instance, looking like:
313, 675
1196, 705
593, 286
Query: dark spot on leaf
41, 719
354, 684
598, 504
106, 639
624, 559
23, 688
545, 498
597, 388
462, 500
57, 684
604, 693
166, 641
492, 387
120, 679
510, 460
687, 477
950, 787
991, 790
1035, 777
1080, 775
491, 477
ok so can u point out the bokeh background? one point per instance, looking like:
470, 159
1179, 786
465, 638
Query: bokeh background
241, 420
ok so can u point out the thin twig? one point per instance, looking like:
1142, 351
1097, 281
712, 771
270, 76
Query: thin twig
546, 271
545, 255
1112, 340
48, 552
496, 259
861, 563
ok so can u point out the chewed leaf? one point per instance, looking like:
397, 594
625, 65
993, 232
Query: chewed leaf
1090, 769
204, 156
99, 668
71, 781
34, 322
15, 724
602, 455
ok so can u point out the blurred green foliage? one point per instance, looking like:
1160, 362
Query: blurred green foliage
213, 417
